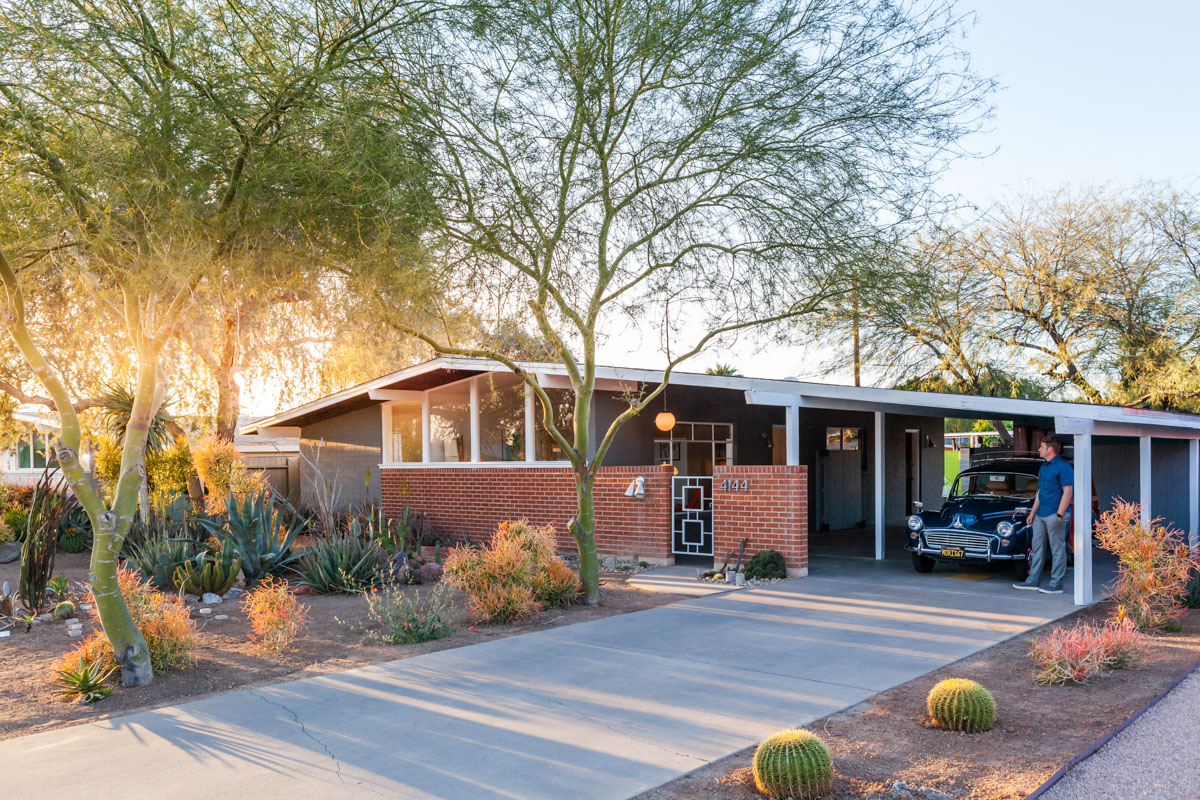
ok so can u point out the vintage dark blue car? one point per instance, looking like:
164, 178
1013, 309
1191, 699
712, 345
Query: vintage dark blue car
983, 519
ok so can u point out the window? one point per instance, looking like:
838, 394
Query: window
843, 438
33, 451
501, 418
563, 410
405, 432
450, 423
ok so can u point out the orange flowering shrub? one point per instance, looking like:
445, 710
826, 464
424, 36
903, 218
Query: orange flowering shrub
1072, 655
276, 616
164, 620
1153, 569
516, 575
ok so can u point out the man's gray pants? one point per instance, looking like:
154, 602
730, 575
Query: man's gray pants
1053, 530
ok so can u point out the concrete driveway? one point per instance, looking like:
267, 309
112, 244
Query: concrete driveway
601, 709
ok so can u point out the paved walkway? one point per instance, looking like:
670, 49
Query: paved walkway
601, 709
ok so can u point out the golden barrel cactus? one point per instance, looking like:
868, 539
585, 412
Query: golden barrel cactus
959, 704
793, 764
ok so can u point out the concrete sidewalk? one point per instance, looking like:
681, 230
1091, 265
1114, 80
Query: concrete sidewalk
601, 709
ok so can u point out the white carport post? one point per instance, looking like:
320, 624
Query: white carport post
880, 469
426, 445
530, 423
792, 431
1082, 519
475, 420
1194, 493
1145, 488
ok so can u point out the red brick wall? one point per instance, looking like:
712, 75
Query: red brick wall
772, 512
474, 500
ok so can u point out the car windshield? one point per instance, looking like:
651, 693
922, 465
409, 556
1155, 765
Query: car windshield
1002, 484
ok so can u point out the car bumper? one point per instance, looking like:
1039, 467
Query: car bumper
968, 557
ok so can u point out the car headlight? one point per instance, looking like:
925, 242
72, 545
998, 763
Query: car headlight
1005, 528
915, 523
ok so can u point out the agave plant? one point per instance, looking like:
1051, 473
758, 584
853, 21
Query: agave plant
158, 557
340, 564
259, 534
84, 681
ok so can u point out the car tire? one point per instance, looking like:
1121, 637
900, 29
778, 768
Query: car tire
922, 563
1020, 569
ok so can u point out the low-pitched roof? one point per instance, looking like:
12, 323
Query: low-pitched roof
1065, 417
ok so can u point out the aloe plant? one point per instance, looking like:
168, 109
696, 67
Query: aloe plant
259, 534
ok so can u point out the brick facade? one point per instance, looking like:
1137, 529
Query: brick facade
474, 500
772, 512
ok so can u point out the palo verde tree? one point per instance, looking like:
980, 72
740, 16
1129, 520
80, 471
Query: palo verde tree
158, 149
700, 167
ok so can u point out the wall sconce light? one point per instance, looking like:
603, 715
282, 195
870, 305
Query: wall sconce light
665, 421
637, 488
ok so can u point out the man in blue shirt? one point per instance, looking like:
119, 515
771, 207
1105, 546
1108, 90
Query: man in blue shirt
1056, 487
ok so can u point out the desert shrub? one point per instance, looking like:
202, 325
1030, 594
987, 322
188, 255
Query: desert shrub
164, 620
793, 764
224, 474
514, 576
397, 617
501, 603
539, 542
13, 496
16, 520
556, 585
340, 564
958, 704
276, 616
1153, 565
766, 565
1073, 655
6, 533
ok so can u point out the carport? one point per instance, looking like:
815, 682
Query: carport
1147, 456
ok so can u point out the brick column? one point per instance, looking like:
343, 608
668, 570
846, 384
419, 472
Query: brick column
772, 511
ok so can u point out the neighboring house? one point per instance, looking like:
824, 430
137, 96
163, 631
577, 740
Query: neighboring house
23, 462
278, 457
718, 458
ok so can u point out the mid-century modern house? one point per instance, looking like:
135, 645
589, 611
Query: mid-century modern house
24, 460
786, 464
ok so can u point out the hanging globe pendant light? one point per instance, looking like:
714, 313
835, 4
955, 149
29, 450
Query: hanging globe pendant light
665, 421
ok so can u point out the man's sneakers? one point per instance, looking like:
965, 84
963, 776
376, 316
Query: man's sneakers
1033, 587
1051, 590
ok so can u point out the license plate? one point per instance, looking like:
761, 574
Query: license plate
953, 552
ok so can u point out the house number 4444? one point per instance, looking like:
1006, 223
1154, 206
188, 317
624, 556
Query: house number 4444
735, 486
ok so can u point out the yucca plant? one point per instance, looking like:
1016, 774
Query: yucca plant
259, 534
84, 681
340, 564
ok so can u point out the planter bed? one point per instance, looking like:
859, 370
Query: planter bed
226, 660
1038, 728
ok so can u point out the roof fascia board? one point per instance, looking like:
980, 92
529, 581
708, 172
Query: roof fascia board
1104, 428
395, 394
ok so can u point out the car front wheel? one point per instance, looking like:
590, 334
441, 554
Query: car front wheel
922, 563
1021, 569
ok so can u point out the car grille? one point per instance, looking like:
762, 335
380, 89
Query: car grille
967, 541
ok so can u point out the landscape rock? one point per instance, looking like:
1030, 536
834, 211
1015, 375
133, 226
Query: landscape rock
191, 598
302, 588
75, 633
205, 611
9, 552
221, 616
5, 634
233, 593
210, 598
609, 563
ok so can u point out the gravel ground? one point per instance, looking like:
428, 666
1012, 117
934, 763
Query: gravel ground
1154, 758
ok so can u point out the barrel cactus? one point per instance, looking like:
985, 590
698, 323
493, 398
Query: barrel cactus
793, 764
73, 540
962, 705
64, 610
